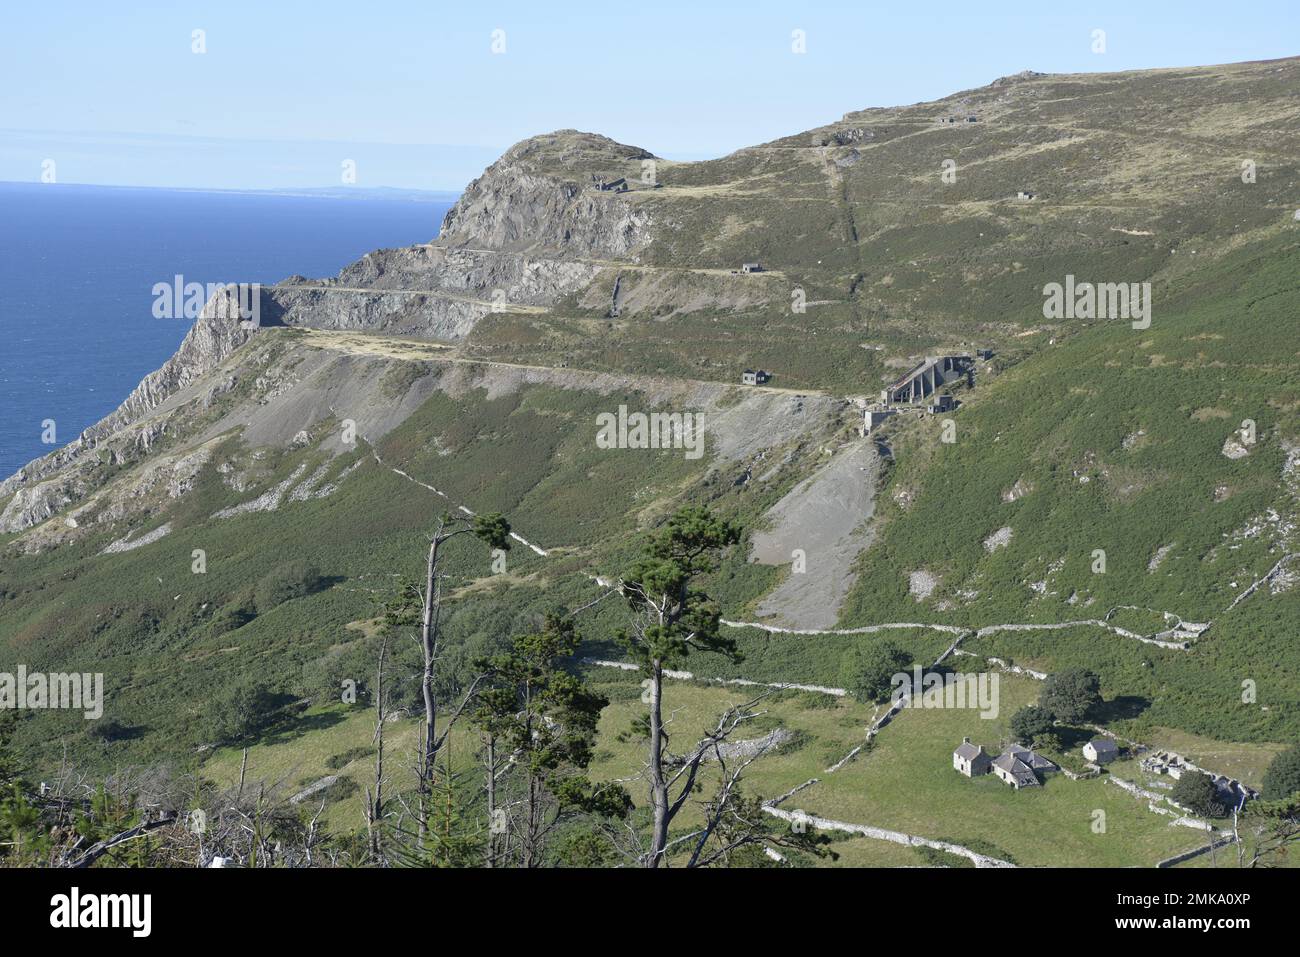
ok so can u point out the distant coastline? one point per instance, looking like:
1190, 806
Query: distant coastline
81, 262
368, 193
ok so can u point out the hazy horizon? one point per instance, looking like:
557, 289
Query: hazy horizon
331, 192
247, 97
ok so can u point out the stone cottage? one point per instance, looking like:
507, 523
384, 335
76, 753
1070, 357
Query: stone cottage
1101, 750
1020, 767
971, 759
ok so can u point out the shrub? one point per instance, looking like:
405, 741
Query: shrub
286, 583
340, 790
235, 614
338, 761
1197, 791
1031, 723
583, 848
1048, 742
867, 669
1071, 694
109, 730
240, 711
1282, 779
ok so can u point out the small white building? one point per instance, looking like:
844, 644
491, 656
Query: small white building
1101, 750
971, 759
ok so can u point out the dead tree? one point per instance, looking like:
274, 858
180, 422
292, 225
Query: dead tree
492, 530
673, 788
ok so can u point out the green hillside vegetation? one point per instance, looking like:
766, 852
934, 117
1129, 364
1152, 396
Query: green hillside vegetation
1078, 438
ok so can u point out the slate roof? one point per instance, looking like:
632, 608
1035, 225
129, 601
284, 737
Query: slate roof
967, 750
1019, 770
1027, 757
1104, 746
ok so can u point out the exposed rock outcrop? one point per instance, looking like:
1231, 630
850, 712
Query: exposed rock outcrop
34, 505
427, 291
512, 242
216, 334
538, 195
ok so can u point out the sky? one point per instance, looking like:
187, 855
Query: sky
424, 95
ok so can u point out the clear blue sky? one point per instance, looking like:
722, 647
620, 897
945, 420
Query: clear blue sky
412, 91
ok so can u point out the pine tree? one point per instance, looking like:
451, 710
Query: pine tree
542, 721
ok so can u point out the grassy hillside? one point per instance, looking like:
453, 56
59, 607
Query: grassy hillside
1117, 434
1135, 176
1080, 438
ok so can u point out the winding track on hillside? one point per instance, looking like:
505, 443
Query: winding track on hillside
431, 293
771, 806
423, 350
362, 343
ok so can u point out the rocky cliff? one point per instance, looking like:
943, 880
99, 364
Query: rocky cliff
515, 241
539, 196
534, 227
45, 486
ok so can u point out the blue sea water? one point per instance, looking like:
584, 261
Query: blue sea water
78, 265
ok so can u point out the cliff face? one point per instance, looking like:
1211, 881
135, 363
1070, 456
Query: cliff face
521, 236
43, 487
431, 291
540, 196
534, 227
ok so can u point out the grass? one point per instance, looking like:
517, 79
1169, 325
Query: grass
906, 781
1245, 762
324, 741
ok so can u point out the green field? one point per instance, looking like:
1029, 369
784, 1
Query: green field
904, 782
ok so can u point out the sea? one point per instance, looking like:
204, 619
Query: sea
78, 265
